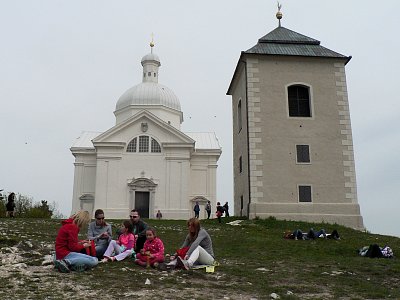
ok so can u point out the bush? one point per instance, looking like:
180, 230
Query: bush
41, 210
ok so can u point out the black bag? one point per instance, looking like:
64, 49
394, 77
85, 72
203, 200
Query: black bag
374, 251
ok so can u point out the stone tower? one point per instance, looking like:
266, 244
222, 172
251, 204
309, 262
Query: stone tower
292, 141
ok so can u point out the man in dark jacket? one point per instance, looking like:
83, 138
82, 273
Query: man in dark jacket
226, 209
139, 229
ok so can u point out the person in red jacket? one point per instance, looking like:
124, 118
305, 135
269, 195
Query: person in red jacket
68, 247
152, 253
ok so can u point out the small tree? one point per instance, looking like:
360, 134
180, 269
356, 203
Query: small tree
22, 205
56, 213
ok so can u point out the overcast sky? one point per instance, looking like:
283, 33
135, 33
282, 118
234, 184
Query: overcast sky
64, 64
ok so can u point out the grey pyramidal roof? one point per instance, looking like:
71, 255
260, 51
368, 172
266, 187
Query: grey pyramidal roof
283, 41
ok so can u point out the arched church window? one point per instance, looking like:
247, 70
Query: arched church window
155, 146
149, 74
132, 146
143, 143
299, 101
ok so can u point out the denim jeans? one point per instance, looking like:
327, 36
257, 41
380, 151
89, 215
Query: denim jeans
100, 249
298, 234
75, 258
312, 234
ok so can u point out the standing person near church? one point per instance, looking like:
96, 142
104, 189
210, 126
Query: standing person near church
100, 232
226, 209
208, 209
159, 215
196, 210
139, 229
219, 212
68, 247
10, 206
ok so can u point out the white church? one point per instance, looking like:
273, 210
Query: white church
145, 161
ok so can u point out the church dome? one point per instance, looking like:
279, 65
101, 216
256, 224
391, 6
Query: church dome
151, 57
149, 92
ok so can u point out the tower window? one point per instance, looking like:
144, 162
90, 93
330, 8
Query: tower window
143, 143
132, 146
154, 74
240, 165
149, 74
299, 101
155, 146
303, 153
305, 193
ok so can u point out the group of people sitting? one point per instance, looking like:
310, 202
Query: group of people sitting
135, 239
311, 235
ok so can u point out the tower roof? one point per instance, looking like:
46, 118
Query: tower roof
286, 42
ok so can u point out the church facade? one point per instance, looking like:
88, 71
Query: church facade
145, 161
292, 137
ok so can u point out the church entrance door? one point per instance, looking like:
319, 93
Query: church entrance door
142, 203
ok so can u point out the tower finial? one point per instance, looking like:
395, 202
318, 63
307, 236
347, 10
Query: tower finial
279, 14
152, 42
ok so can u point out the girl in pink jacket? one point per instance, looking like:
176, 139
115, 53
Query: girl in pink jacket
153, 250
123, 247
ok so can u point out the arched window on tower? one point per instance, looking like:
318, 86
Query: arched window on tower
132, 146
299, 101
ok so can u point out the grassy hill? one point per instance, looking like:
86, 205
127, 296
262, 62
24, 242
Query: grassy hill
255, 261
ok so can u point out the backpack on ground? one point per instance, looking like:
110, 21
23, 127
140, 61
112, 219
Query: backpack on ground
387, 252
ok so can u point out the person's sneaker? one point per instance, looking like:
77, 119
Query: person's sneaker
78, 268
62, 266
104, 260
182, 263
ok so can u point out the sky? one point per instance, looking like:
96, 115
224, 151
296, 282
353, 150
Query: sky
64, 64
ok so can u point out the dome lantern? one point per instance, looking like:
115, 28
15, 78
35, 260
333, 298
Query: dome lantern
150, 63
149, 93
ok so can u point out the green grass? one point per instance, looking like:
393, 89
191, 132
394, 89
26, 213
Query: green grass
320, 269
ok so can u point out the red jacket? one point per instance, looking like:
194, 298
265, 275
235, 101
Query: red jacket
67, 239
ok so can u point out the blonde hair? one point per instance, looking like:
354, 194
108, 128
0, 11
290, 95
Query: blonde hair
81, 218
